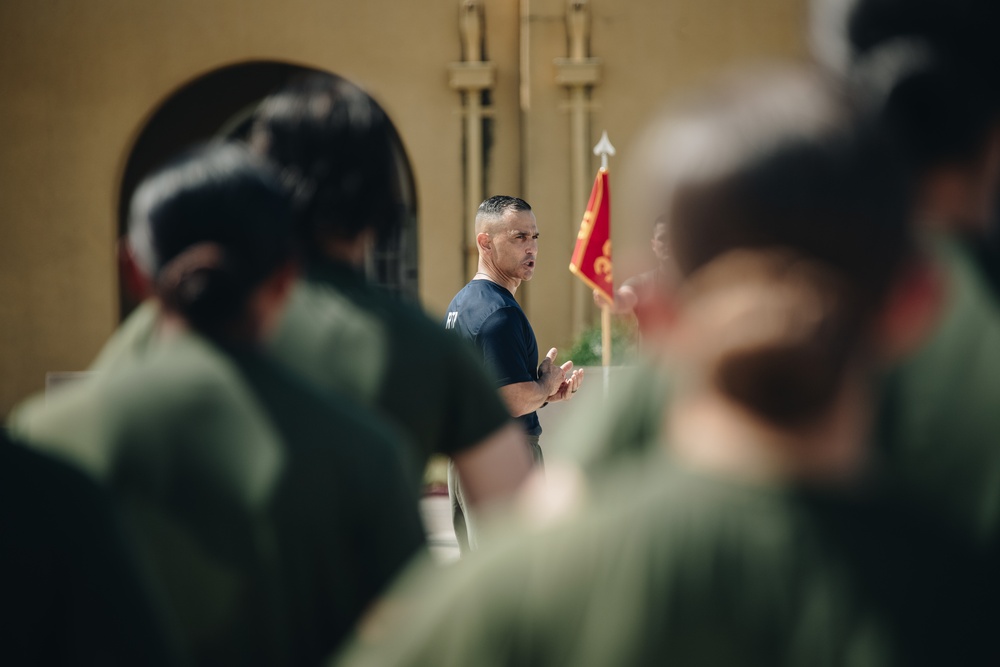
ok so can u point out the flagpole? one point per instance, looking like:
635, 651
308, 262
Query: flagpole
605, 336
604, 149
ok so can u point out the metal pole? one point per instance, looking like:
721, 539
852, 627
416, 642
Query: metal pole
472, 76
579, 160
473, 166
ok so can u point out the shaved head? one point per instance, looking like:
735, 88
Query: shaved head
492, 211
507, 240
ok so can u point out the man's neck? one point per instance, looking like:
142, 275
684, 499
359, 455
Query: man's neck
347, 251
708, 431
169, 324
486, 272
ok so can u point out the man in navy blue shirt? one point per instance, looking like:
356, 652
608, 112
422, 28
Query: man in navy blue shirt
486, 313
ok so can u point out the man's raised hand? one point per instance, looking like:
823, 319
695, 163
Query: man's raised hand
625, 300
550, 376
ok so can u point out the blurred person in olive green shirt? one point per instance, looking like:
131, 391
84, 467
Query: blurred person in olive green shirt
70, 590
340, 154
762, 534
926, 72
266, 514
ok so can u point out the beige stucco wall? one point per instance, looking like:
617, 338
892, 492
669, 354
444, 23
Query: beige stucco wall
79, 78
649, 50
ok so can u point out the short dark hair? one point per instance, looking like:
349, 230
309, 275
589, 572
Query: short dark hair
207, 229
497, 205
339, 152
933, 69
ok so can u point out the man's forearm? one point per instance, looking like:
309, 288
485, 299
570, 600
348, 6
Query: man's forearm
524, 397
495, 467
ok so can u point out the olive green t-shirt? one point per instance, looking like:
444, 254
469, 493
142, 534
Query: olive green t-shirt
346, 334
268, 516
131, 341
940, 420
70, 592
682, 569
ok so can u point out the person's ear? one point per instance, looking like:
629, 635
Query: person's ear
484, 243
137, 284
911, 311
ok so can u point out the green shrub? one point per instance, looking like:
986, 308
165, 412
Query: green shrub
586, 349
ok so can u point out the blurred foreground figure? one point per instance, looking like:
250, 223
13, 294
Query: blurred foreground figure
267, 515
761, 541
69, 590
340, 154
931, 70
644, 295
928, 75
486, 313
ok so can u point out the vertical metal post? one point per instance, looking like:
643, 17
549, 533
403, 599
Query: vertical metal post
578, 73
471, 77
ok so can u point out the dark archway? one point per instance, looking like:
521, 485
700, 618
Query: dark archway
220, 103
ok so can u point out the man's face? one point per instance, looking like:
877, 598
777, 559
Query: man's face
515, 244
659, 243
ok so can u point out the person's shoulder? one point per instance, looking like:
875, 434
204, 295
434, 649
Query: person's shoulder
682, 516
474, 305
21, 466
189, 390
324, 304
130, 341
321, 414
502, 320
484, 294
378, 310
185, 370
70, 424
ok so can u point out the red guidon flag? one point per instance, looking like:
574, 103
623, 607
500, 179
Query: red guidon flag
591, 261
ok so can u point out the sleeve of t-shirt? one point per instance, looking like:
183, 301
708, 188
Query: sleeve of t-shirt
505, 348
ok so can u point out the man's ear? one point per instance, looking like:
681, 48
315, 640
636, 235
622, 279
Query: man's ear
912, 309
137, 284
484, 242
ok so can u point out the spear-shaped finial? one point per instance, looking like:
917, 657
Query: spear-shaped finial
604, 149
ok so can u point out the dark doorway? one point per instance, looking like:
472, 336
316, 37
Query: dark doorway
220, 103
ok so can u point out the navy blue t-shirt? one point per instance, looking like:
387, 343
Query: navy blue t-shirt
489, 316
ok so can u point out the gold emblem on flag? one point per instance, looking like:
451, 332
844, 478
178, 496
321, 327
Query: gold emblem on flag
586, 225
602, 265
